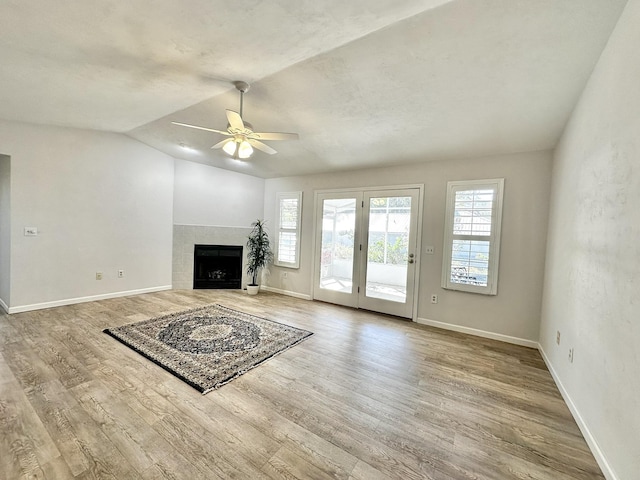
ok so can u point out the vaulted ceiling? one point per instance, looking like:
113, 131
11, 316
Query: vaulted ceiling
365, 83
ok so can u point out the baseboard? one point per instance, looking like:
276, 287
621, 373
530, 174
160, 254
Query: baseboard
586, 433
4, 306
479, 333
72, 301
285, 292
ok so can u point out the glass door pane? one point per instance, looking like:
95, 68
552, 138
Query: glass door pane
337, 244
388, 248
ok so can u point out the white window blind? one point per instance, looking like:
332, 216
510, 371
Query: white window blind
472, 236
289, 209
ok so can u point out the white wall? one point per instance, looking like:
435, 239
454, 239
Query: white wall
592, 281
212, 206
101, 202
5, 230
515, 311
205, 195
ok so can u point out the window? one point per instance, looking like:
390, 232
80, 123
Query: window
472, 236
289, 210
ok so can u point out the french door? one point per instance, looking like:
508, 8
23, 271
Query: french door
366, 252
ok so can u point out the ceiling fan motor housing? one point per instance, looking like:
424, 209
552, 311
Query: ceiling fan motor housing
241, 86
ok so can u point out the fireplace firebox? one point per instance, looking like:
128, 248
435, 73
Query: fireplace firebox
217, 266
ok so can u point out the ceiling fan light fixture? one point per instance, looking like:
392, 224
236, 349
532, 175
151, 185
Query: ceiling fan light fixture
230, 147
245, 150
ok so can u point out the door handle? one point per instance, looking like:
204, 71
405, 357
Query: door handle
411, 260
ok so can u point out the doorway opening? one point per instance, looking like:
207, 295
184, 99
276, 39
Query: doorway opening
367, 248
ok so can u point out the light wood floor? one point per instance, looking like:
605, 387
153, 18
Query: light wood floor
366, 397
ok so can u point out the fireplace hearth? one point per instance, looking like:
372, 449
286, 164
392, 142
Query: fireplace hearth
217, 266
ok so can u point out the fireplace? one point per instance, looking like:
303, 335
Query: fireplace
217, 266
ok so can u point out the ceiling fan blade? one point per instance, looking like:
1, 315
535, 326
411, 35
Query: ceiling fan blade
221, 144
201, 128
235, 120
274, 136
261, 146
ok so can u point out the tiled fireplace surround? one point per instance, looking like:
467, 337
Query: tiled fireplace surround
185, 237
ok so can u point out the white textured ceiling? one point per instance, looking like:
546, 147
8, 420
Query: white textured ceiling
364, 83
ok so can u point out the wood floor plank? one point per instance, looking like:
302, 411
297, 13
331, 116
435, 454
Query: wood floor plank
366, 397
57, 469
52, 401
311, 443
147, 403
6, 375
24, 437
364, 471
205, 450
27, 366
286, 464
133, 438
102, 457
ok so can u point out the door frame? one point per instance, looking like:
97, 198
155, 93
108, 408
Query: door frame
314, 246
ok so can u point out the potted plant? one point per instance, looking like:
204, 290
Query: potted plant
259, 254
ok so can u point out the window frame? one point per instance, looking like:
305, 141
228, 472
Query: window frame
497, 185
280, 196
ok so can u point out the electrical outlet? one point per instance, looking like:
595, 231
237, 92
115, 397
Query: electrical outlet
285, 274
558, 337
434, 298
98, 275
571, 355
120, 273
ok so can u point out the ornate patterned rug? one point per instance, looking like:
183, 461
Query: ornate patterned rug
208, 346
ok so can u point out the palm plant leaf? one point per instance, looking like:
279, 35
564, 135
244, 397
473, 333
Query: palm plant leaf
259, 250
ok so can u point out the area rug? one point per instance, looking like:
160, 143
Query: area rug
209, 346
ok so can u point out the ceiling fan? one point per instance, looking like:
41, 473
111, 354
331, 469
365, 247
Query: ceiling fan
242, 139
